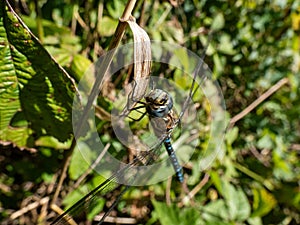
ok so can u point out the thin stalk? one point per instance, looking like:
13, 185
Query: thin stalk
39, 20
120, 30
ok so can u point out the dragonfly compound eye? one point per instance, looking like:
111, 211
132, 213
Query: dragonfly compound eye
157, 97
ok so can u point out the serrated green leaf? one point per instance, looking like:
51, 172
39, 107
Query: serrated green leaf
31, 82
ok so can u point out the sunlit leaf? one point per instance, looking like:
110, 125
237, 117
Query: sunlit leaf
31, 82
263, 202
232, 135
107, 26
218, 22
173, 215
216, 212
81, 160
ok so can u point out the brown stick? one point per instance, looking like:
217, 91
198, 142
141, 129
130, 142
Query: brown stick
261, 98
168, 191
116, 220
87, 172
103, 69
59, 211
64, 171
195, 189
29, 207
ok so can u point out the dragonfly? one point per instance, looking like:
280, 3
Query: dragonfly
159, 108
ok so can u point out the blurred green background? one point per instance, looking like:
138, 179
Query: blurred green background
255, 46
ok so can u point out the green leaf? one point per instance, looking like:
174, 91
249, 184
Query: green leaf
107, 26
75, 196
216, 179
173, 215
81, 160
265, 142
218, 22
79, 66
255, 221
115, 8
236, 201
263, 202
31, 82
98, 205
215, 212
243, 206
226, 45
49, 27
232, 135
51, 142
18, 120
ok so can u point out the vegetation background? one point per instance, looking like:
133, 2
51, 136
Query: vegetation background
255, 51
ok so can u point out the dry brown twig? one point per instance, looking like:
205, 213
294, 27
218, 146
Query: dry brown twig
120, 30
142, 66
87, 172
259, 100
168, 191
116, 220
29, 207
195, 190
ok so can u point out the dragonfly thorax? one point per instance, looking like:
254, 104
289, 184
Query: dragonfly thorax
158, 103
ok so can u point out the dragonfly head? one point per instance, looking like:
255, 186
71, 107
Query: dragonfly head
158, 103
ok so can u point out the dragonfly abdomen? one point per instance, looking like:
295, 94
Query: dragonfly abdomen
174, 160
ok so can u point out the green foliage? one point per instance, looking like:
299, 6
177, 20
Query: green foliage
255, 44
36, 93
173, 215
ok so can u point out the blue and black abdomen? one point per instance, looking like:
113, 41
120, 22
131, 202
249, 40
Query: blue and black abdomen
174, 160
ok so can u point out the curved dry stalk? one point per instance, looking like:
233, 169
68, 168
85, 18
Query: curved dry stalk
259, 100
120, 30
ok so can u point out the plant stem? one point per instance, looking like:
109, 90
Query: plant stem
39, 20
101, 71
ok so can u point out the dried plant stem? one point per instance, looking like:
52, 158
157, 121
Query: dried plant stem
116, 220
29, 207
99, 80
168, 191
195, 189
59, 211
261, 98
89, 170
64, 171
